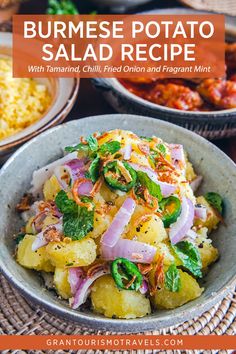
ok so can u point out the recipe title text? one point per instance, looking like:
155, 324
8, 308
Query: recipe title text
149, 40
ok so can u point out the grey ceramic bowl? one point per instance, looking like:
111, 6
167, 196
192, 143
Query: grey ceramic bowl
212, 125
219, 175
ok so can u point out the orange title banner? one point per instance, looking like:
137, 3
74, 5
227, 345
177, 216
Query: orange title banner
124, 46
115, 342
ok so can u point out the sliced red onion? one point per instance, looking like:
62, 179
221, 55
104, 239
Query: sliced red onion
85, 188
166, 188
126, 151
200, 212
177, 155
40, 239
74, 168
43, 174
144, 287
75, 278
121, 219
135, 251
76, 164
56, 212
85, 288
195, 184
179, 229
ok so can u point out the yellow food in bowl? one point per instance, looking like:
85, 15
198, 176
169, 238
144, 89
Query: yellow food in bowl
117, 220
22, 101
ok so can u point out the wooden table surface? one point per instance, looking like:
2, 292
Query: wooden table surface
90, 102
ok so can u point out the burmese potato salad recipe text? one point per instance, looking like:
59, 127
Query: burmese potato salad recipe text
119, 45
133, 52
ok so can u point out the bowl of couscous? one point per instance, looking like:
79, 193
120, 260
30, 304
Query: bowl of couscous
29, 106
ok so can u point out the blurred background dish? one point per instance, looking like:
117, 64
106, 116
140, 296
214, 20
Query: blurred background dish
209, 122
62, 94
226, 7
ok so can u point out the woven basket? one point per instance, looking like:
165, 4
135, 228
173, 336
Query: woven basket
19, 317
222, 6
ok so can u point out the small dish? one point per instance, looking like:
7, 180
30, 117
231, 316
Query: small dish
64, 92
212, 125
219, 175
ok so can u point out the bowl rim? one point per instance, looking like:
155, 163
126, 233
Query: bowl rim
57, 117
120, 325
111, 86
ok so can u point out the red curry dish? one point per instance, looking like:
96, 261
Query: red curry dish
186, 95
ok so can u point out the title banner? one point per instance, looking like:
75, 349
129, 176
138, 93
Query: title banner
124, 46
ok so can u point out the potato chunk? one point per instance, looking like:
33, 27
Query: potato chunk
212, 219
190, 173
208, 252
74, 253
101, 224
112, 302
37, 260
51, 188
61, 283
164, 249
152, 231
190, 290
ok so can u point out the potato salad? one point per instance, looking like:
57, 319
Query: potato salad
116, 226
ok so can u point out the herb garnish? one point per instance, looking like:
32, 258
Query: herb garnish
172, 278
215, 200
19, 237
189, 255
77, 221
153, 188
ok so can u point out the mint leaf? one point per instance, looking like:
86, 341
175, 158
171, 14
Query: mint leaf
215, 200
189, 255
64, 204
146, 138
78, 225
77, 220
110, 147
19, 238
172, 279
153, 188
161, 148
78, 147
92, 143
94, 169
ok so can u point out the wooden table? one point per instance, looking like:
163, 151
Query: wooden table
90, 102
